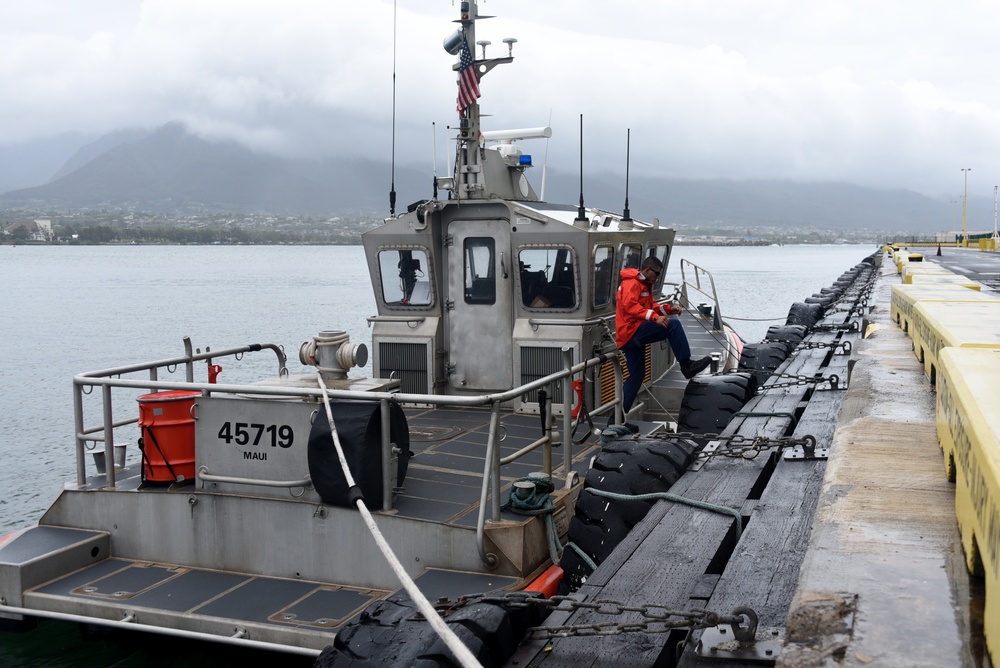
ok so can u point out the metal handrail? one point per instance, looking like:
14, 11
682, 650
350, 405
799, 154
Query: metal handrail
130, 624
698, 273
491, 480
581, 322
94, 378
396, 318
204, 474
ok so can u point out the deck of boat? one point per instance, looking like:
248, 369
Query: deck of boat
443, 485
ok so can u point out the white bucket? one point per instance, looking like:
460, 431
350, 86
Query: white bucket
119, 458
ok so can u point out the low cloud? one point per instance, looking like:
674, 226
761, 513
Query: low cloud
885, 95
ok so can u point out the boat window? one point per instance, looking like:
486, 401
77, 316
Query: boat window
480, 270
405, 277
603, 275
631, 256
548, 277
660, 253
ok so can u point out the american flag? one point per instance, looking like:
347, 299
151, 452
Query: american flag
468, 79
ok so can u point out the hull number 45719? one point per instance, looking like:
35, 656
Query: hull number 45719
243, 433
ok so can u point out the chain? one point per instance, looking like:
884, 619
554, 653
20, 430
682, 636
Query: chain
653, 618
852, 326
744, 447
794, 380
808, 345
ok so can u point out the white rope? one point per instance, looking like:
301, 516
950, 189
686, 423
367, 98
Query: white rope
458, 648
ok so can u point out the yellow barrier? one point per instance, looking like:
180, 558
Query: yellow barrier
938, 325
955, 279
923, 269
968, 426
905, 297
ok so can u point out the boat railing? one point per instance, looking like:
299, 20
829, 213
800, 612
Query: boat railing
490, 493
702, 284
104, 432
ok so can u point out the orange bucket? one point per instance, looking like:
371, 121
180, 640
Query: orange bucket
167, 435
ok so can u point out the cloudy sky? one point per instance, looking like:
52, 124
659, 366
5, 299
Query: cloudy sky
885, 94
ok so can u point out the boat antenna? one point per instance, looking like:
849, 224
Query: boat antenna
626, 215
581, 215
392, 176
434, 152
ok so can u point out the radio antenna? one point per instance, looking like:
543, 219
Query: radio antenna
581, 216
628, 148
392, 176
434, 152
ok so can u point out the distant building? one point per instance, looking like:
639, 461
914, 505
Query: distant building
36, 230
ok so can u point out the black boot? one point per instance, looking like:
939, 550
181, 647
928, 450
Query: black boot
691, 368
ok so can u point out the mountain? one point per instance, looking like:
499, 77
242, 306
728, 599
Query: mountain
96, 148
28, 163
172, 170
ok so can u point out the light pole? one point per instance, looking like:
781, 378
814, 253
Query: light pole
965, 208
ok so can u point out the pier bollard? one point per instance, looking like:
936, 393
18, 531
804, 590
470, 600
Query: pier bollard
716, 358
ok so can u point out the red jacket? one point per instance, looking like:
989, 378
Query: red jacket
635, 305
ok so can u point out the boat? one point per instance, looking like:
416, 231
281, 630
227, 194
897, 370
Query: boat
491, 305
337, 515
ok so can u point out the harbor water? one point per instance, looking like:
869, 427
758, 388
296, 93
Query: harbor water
68, 310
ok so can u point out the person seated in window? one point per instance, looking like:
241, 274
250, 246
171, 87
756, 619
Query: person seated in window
639, 321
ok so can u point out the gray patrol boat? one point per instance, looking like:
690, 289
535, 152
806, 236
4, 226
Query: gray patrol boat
493, 357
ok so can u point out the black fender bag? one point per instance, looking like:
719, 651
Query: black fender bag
359, 428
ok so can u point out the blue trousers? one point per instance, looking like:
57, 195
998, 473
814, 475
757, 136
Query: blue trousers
635, 354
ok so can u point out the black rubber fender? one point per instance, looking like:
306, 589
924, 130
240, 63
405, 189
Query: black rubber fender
804, 314
821, 299
710, 401
790, 335
390, 635
761, 359
628, 465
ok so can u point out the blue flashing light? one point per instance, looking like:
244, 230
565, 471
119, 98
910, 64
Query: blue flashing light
525, 161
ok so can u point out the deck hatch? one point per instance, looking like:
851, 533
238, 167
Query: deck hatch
259, 600
127, 583
327, 608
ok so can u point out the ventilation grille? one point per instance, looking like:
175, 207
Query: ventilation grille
408, 363
607, 376
537, 363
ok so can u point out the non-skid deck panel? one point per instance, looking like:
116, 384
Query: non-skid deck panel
436, 583
444, 476
40, 540
260, 600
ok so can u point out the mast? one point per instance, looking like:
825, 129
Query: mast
469, 175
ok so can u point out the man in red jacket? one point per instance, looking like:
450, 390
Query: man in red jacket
639, 321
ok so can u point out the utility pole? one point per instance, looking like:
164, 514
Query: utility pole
965, 208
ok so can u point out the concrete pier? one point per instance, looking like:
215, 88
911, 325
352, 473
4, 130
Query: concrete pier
884, 580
